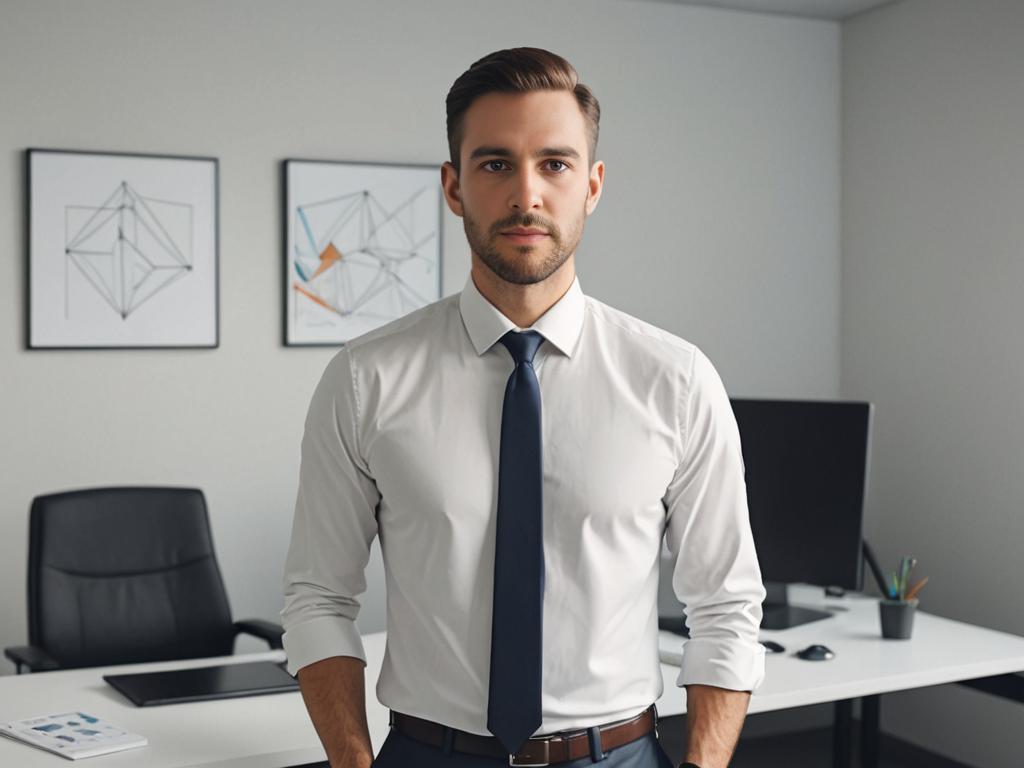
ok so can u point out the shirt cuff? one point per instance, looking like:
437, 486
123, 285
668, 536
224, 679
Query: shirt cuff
732, 664
322, 638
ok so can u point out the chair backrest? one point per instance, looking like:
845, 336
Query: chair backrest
120, 575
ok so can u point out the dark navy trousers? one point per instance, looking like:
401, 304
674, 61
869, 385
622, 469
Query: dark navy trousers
400, 751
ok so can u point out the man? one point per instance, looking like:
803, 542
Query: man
521, 450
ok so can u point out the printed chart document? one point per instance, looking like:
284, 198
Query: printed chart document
72, 735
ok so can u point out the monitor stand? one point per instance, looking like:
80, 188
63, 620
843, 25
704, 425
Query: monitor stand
779, 614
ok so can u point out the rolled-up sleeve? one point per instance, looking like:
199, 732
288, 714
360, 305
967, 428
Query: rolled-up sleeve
334, 526
715, 575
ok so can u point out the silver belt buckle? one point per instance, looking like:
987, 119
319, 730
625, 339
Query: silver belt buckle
514, 759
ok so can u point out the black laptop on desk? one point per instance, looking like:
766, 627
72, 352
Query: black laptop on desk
226, 681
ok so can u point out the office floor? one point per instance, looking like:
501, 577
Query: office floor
812, 749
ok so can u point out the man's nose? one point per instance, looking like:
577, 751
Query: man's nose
525, 192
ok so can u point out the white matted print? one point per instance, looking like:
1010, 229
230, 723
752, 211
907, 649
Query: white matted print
362, 246
122, 250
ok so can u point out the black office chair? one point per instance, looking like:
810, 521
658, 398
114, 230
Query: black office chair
120, 575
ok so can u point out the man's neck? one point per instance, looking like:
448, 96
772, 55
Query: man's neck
523, 304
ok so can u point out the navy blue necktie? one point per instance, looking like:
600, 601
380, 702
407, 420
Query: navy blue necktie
513, 709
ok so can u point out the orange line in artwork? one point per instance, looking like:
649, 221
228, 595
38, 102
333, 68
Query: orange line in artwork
328, 258
317, 299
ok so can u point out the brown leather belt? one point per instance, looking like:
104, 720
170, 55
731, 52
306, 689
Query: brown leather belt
539, 750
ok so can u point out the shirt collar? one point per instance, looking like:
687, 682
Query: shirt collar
561, 324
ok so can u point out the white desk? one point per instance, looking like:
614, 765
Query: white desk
274, 731
254, 732
865, 665
940, 651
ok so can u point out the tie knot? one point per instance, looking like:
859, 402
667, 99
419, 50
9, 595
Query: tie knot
522, 345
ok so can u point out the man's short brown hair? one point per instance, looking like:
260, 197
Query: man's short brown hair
518, 70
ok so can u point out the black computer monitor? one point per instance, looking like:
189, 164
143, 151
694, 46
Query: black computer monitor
806, 468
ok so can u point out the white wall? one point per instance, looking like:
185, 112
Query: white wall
933, 265
719, 220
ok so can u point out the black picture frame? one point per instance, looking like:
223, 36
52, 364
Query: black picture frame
288, 205
66, 336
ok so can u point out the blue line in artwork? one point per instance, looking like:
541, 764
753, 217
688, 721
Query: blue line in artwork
309, 231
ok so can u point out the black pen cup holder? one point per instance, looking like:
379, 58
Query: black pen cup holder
897, 618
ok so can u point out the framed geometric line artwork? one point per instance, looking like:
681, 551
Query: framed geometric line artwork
122, 250
362, 247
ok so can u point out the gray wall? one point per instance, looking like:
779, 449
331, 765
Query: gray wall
933, 240
719, 221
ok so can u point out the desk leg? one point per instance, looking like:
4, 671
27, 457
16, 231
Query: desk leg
870, 728
841, 734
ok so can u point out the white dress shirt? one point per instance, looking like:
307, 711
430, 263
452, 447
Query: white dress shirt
401, 442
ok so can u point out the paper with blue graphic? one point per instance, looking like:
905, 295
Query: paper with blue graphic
72, 735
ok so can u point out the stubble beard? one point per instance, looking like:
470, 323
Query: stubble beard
521, 269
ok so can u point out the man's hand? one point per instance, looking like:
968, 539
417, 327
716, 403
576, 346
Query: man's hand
714, 719
335, 697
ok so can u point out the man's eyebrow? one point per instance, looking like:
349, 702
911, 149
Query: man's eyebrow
557, 152
489, 152
543, 152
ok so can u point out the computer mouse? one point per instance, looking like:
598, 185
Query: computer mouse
816, 653
772, 647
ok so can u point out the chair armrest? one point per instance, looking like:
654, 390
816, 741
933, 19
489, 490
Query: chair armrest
265, 630
36, 659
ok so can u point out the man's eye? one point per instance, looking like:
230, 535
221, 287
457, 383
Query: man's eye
494, 165
561, 165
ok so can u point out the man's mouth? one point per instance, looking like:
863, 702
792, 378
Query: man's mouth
524, 234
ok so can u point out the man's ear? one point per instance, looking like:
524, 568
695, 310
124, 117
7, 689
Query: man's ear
450, 186
594, 186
